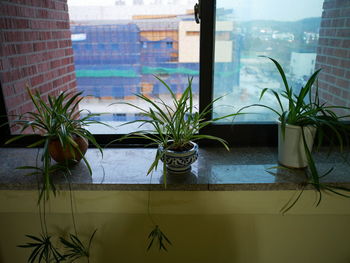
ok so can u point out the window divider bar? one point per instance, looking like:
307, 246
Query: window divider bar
206, 60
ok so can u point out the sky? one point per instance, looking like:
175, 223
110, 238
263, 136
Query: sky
286, 10
281, 10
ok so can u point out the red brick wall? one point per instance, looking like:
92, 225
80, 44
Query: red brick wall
35, 48
333, 53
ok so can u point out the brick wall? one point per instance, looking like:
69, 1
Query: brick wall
333, 53
35, 48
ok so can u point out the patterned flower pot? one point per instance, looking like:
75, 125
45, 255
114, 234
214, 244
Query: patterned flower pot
179, 162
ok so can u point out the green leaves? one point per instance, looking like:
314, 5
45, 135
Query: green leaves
42, 250
56, 118
299, 109
306, 109
176, 121
75, 249
158, 237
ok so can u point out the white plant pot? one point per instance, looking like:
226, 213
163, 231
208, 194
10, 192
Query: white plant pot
291, 150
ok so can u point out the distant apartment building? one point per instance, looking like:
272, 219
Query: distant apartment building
189, 42
283, 36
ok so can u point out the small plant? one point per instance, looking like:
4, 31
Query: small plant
56, 120
305, 109
160, 237
174, 124
64, 139
42, 249
75, 249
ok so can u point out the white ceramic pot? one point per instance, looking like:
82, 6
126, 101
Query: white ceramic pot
291, 150
179, 162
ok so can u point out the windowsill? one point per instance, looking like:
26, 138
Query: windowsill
216, 169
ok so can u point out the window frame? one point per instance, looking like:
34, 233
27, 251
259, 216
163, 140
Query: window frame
236, 134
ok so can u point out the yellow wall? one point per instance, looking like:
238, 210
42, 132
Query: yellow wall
231, 226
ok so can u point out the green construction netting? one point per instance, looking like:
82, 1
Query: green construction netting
105, 73
161, 70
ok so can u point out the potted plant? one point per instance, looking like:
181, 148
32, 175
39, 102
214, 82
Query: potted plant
61, 131
174, 128
304, 118
64, 139
297, 120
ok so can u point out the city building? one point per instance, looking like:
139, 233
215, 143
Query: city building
115, 60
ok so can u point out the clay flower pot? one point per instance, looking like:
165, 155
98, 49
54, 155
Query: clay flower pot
61, 155
179, 161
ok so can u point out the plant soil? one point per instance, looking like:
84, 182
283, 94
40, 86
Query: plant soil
183, 148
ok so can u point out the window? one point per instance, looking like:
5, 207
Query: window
232, 35
120, 2
169, 44
285, 30
119, 117
245, 31
138, 2
129, 51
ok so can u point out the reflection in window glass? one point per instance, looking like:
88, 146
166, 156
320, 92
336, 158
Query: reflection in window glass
120, 45
285, 30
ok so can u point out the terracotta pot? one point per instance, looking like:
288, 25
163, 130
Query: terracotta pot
291, 150
179, 162
61, 155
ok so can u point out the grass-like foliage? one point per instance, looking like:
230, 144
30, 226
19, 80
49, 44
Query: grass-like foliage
157, 235
42, 250
75, 249
175, 123
306, 109
55, 118
172, 125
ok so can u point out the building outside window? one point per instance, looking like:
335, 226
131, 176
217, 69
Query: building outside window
147, 41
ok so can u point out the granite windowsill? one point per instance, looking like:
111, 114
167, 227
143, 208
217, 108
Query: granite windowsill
216, 169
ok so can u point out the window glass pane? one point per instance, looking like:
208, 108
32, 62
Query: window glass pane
288, 31
120, 45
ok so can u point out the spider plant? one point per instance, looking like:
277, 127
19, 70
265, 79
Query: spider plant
160, 237
42, 249
75, 248
56, 118
305, 108
173, 124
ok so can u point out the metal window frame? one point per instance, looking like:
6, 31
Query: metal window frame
236, 134
240, 134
